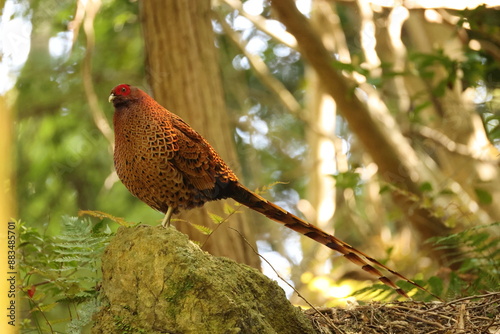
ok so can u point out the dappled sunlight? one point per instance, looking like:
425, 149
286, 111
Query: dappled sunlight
330, 290
15, 42
333, 293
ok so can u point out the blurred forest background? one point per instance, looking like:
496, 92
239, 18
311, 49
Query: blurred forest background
376, 121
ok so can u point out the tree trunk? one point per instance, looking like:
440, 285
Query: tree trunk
184, 73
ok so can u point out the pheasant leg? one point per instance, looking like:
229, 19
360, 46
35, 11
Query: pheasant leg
166, 220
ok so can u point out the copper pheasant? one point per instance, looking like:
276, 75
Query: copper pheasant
169, 166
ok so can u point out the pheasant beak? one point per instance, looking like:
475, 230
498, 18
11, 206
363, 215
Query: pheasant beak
111, 97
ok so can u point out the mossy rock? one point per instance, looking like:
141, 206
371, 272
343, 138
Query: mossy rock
156, 281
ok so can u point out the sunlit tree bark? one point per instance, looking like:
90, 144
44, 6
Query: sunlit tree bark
7, 206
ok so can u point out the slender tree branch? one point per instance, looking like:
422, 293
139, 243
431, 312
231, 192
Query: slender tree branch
377, 131
262, 24
449, 144
91, 8
262, 71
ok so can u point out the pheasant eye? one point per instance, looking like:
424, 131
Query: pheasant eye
123, 90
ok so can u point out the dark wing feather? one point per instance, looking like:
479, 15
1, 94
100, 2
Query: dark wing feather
197, 160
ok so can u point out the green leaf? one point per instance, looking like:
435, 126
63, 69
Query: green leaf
228, 208
478, 259
384, 189
425, 187
446, 191
483, 196
347, 180
216, 219
348, 67
203, 229
436, 285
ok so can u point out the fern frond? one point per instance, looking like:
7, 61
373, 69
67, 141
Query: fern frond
216, 219
103, 215
265, 189
203, 229
65, 265
479, 258
228, 208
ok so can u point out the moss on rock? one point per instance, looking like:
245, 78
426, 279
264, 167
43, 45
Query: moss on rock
156, 281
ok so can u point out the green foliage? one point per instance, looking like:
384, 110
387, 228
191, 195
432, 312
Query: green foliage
427, 64
381, 291
69, 159
229, 210
61, 274
479, 260
203, 229
127, 328
347, 180
216, 219
479, 267
483, 196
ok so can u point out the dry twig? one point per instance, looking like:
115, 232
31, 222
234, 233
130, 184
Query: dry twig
471, 315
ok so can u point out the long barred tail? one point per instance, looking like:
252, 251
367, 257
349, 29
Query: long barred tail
255, 202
